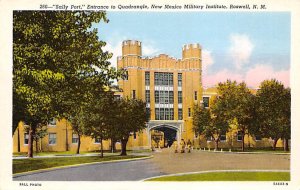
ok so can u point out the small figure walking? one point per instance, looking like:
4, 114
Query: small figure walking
189, 146
182, 146
175, 146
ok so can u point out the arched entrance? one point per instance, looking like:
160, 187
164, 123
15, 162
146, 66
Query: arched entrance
163, 133
163, 136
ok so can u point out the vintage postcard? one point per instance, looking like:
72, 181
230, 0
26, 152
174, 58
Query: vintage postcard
158, 94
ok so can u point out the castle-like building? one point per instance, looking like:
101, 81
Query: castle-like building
170, 87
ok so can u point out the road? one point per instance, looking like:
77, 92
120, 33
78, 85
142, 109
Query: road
165, 162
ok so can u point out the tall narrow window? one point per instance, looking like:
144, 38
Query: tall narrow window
206, 102
161, 97
161, 114
156, 113
156, 78
147, 96
179, 97
171, 114
133, 94
189, 112
26, 138
170, 79
147, 78
74, 138
179, 113
156, 96
171, 97
52, 138
179, 79
195, 95
167, 113
161, 78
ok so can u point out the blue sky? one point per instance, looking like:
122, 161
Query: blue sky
241, 46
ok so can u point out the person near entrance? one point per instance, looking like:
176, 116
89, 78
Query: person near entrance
175, 146
189, 146
182, 146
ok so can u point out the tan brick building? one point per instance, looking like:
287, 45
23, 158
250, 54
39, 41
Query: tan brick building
170, 87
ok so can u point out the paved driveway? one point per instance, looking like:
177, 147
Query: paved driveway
165, 162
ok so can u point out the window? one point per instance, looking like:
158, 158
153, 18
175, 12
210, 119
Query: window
161, 79
239, 136
147, 96
147, 78
74, 138
133, 94
223, 137
148, 111
209, 138
179, 113
162, 114
189, 112
52, 138
171, 97
156, 96
97, 140
52, 122
179, 79
166, 79
156, 113
134, 135
166, 97
206, 102
171, 114
156, 78
257, 137
167, 112
179, 97
170, 79
195, 95
161, 97
26, 138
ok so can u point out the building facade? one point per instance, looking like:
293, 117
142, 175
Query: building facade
170, 87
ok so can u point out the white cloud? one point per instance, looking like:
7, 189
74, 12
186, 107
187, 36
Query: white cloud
240, 49
207, 59
116, 50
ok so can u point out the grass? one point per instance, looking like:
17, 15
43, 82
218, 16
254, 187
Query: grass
73, 153
229, 176
24, 165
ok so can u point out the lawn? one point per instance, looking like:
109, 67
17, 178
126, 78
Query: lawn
228, 176
24, 165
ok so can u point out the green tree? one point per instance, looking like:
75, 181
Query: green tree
99, 117
274, 111
235, 102
56, 55
130, 117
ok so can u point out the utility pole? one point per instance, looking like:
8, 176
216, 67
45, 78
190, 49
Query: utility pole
67, 145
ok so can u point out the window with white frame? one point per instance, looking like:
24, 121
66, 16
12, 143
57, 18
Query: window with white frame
206, 102
26, 138
189, 112
179, 79
180, 114
147, 93
52, 138
147, 78
179, 97
74, 138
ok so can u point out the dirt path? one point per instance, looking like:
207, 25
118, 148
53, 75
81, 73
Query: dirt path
169, 162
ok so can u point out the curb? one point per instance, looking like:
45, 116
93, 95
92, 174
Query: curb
77, 165
212, 171
272, 153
